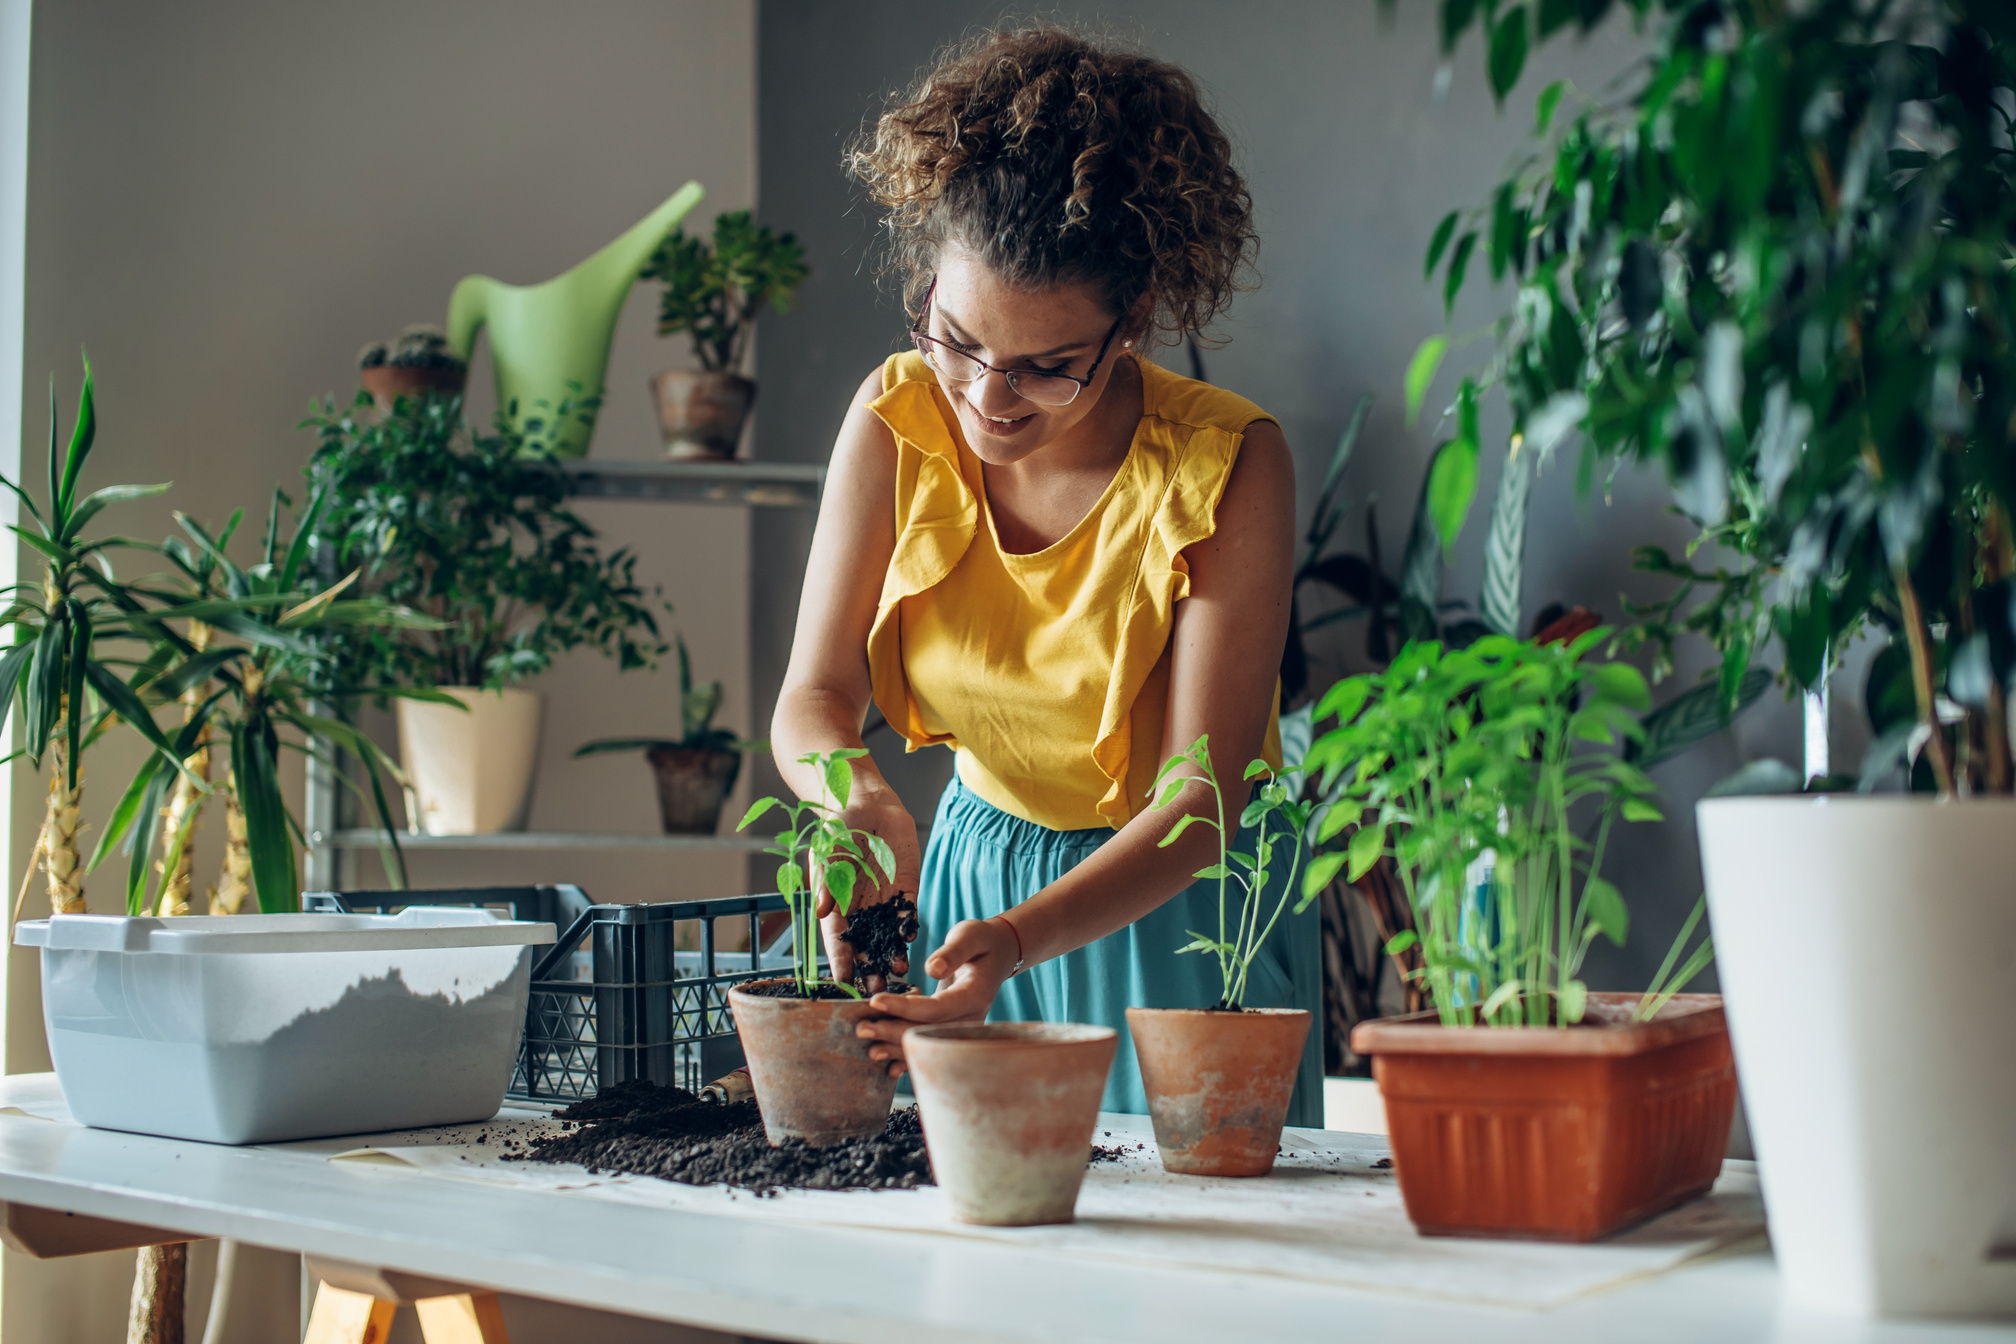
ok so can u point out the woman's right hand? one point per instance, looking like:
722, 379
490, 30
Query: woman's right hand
877, 810
970, 967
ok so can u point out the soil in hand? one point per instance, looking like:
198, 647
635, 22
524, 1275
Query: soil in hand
881, 935
648, 1130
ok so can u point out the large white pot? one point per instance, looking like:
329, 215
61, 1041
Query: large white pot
1867, 952
471, 769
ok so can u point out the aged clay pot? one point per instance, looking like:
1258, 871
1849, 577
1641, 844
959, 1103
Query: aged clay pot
814, 1080
1008, 1111
700, 413
1552, 1134
1218, 1084
693, 783
387, 382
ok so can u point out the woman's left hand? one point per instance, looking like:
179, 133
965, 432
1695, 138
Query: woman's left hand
969, 966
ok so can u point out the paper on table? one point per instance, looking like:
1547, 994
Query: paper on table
1327, 1214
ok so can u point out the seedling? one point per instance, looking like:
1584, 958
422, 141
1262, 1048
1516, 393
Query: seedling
1240, 933
820, 850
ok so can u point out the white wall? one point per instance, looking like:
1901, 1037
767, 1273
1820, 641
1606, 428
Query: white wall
227, 198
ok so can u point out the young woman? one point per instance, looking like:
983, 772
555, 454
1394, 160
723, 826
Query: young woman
1047, 553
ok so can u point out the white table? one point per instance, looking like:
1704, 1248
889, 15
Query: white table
798, 1282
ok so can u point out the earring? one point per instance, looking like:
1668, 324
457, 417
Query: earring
1128, 345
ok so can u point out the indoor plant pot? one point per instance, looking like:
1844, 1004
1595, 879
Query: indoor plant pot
387, 382
814, 1080
471, 768
1552, 1133
700, 412
693, 783
1866, 948
1008, 1110
1218, 1084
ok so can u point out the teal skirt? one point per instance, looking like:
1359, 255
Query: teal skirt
981, 861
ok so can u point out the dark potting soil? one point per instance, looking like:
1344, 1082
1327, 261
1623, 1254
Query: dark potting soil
881, 935
788, 989
648, 1130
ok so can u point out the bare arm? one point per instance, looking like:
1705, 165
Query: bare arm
826, 689
1226, 657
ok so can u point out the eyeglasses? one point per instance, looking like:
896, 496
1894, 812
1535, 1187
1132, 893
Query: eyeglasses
1045, 389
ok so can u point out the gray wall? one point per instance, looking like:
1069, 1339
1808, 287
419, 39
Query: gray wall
1352, 158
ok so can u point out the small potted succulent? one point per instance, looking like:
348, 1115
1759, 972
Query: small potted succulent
418, 361
696, 770
1474, 771
813, 1078
1219, 1078
713, 292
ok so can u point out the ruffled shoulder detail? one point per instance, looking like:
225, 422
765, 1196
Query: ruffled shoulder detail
937, 513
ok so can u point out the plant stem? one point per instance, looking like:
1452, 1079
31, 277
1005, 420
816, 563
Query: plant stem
184, 810
1920, 641
234, 884
59, 824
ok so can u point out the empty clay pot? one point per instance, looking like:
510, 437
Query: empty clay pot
471, 768
814, 1080
693, 783
388, 382
1218, 1084
700, 413
1008, 1111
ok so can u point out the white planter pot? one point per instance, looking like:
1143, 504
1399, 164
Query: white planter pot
1867, 952
471, 770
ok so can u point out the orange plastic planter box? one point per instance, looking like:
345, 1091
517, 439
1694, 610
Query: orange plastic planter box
1549, 1134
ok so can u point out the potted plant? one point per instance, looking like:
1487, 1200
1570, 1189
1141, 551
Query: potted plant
1469, 769
695, 771
814, 1080
713, 292
1219, 1078
416, 363
472, 532
1777, 265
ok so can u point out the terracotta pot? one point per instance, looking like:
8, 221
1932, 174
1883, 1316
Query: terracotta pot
1552, 1134
693, 783
700, 413
471, 768
1218, 1084
385, 382
1009, 1109
814, 1080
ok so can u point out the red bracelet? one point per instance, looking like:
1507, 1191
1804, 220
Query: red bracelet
1018, 942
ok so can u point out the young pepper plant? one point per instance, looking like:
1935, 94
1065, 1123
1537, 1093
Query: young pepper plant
821, 851
1240, 933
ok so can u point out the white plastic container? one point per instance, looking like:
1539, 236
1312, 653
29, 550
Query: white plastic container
265, 1028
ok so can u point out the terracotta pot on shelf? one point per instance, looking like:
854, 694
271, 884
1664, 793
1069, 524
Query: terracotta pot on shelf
1008, 1110
1218, 1084
471, 768
1555, 1134
813, 1078
693, 783
700, 412
386, 382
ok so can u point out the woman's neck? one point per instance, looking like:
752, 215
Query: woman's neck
1037, 501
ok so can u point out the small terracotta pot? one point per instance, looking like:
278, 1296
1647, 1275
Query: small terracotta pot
700, 413
1553, 1134
814, 1080
693, 783
386, 382
1008, 1111
1218, 1084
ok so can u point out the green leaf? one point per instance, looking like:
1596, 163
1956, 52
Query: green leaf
1343, 700
1214, 872
1365, 849
1452, 485
82, 435
840, 885
1321, 870
885, 857
1692, 717
1183, 823
1257, 768
111, 494
839, 780
121, 820
1605, 905
1336, 819
193, 672
146, 824
1622, 683
1459, 266
267, 834
1504, 994
1455, 17
1508, 51
1421, 372
120, 698
1637, 809
1544, 105
1505, 546
1574, 1001
1439, 244
756, 809
1401, 941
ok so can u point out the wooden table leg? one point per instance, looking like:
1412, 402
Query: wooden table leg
344, 1317
465, 1318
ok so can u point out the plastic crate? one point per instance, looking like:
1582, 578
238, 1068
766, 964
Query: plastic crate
616, 998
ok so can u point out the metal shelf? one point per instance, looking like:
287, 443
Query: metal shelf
370, 839
774, 484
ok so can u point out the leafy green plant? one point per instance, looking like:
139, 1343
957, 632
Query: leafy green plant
1454, 760
472, 531
1239, 938
1779, 266
714, 290
696, 717
821, 852
417, 347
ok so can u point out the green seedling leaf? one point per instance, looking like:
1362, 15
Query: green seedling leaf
1337, 818
1401, 942
1637, 809
1574, 1001
884, 856
1365, 849
840, 885
1504, 994
1421, 372
756, 809
1605, 905
1183, 824
839, 779
1321, 870
1255, 769
1216, 870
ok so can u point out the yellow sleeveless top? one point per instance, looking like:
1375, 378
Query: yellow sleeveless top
1048, 673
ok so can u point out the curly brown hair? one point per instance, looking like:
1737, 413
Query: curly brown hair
1057, 160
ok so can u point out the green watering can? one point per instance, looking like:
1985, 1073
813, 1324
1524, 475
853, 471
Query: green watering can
551, 341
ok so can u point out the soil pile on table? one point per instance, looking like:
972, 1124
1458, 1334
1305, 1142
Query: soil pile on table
648, 1130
